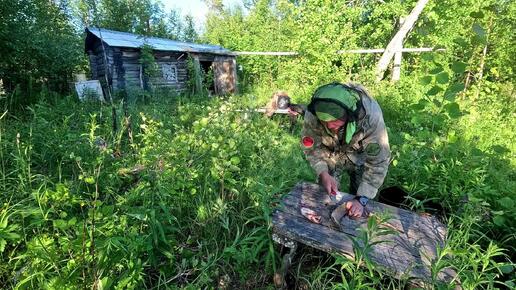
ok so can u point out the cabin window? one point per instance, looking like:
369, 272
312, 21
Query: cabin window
169, 72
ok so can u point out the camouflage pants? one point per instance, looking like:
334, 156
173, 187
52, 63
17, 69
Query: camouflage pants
340, 164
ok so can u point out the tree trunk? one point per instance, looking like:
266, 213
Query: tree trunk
410, 20
396, 70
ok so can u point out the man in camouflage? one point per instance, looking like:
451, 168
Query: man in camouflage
344, 130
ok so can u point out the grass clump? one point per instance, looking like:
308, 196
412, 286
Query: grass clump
187, 202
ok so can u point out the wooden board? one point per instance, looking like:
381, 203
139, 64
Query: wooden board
406, 254
224, 73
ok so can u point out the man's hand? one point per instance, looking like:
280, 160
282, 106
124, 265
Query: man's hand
329, 183
355, 209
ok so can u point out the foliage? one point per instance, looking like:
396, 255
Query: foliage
144, 17
42, 42
127, 220
150, 66
139, 16
187, 202
39, 49
189, 32
198, 74
473, 33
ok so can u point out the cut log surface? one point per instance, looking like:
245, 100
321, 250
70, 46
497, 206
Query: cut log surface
408, 253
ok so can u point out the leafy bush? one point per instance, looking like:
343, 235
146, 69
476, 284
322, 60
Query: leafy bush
188, 202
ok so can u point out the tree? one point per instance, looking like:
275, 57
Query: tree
116, 15
174, 25
38, 45
189, 32
215, 5
84, 13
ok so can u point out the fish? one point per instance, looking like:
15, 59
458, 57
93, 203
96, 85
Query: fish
311, 215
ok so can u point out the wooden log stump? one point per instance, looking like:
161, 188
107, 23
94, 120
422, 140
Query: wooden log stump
407, 252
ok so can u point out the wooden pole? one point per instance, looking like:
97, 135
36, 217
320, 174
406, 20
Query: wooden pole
399, 36
108, 86
141, 76
360, 51
272, 53
396, 70
197, 74
348, 51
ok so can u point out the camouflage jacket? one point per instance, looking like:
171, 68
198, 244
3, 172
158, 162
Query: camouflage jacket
369, 146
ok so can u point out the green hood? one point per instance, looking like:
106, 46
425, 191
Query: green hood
329, 111
334, 101
338, 93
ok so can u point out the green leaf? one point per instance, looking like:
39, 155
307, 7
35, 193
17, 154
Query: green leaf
478, 40
452, 91
479, 30
105, 283
3, 222
507, 268
480, 34
461, 41
453, 110
72, 221
436, 70
89, 180
439, 119
60, 224
235, 160
442, 78
456, 87
2, 245
416, 119
507, 202
449, 96
500, 149
434, 91
427, 56
477, 14
426, 80
458, 67
451, 137
499, 220
420, 105
477, 152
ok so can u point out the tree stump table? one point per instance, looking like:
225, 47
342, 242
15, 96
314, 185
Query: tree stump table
408, 251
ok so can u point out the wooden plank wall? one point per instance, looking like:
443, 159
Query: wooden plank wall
170, 58
125, 70
118, 69
132, 68
93, 65
97, 66
225, 75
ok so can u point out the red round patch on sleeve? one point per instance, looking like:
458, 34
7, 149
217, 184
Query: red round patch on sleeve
308, 141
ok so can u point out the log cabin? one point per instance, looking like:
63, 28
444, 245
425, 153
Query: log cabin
115, 59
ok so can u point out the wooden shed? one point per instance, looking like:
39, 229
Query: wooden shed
125, 70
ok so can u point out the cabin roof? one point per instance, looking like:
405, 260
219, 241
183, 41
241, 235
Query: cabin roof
125, 39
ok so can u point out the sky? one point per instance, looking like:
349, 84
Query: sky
196, 8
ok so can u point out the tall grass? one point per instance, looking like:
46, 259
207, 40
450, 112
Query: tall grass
187, 203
